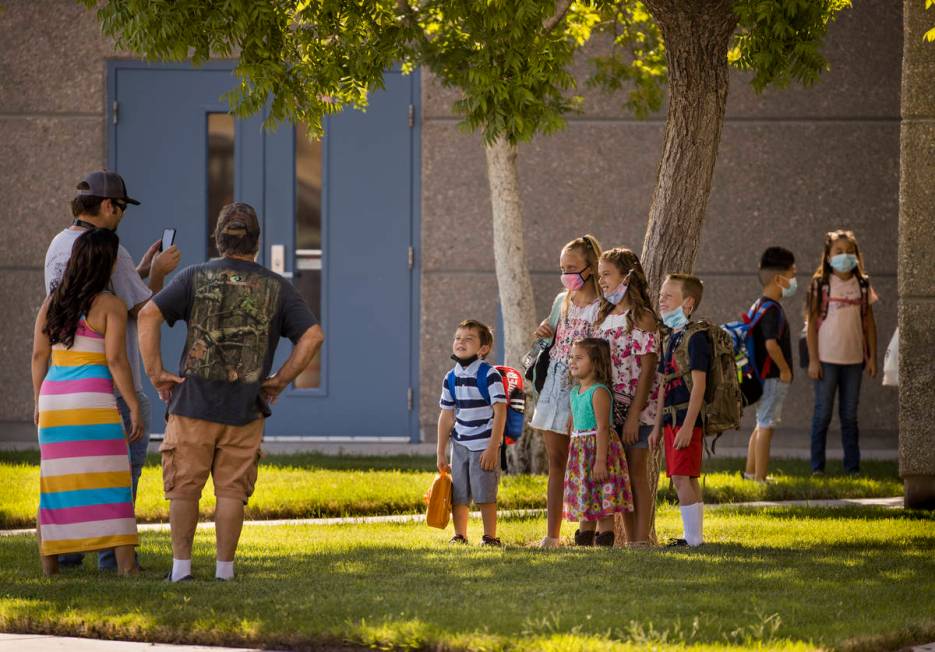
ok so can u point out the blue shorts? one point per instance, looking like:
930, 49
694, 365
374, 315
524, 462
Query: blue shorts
769, 407
643, 440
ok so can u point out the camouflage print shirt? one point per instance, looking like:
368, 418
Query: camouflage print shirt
236, 312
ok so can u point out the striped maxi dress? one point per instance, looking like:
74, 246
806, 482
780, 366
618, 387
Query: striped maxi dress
85, 501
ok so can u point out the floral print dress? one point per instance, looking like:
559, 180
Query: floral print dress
626, 354
586, 499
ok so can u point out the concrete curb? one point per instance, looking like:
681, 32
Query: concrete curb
895, 502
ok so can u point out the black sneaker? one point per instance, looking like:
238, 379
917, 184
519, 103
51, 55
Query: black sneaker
458, 538
818, 473
490, 541
677, 543
187, 578
585, 538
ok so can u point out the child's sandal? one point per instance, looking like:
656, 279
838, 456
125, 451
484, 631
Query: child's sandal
490, 541
459, 539
584, 538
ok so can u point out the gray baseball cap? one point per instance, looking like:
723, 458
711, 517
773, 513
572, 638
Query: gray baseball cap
104, 183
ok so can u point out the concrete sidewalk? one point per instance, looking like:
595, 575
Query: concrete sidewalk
38, 643
895, 502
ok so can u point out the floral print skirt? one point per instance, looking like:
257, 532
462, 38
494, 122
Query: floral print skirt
586, 499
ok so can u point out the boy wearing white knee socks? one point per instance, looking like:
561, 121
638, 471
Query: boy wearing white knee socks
686, 353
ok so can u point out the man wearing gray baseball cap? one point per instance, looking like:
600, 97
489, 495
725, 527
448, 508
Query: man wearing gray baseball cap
101, 202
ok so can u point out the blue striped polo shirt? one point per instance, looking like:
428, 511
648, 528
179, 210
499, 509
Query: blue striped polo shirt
474, 417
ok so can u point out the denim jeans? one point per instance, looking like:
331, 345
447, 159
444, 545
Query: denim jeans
106, 560
843, 379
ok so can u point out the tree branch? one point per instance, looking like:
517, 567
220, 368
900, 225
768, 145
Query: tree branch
561, 8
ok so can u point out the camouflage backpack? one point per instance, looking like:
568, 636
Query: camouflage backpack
722, 407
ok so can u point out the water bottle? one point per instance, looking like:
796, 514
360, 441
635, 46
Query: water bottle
532, 355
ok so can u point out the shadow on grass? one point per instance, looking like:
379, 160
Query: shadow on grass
306, 588
855, 512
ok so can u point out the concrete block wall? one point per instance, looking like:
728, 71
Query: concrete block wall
52, 94
793, 164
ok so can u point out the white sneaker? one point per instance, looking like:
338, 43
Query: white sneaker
549, 542
749, 476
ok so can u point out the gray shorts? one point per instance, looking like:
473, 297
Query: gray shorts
769, 407
468, 480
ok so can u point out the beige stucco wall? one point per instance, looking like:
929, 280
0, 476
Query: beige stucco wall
792, 165
52, 94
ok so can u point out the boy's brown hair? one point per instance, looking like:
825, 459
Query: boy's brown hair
482, 330
691, 287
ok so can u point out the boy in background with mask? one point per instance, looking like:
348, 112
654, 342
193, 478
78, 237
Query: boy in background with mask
679, 413
772, 347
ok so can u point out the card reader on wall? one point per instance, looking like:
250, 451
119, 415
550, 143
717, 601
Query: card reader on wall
277, 260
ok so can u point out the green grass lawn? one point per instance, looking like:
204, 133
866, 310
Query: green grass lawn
773, 579
311, 485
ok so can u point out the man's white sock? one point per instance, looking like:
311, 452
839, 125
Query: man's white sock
224, 570
181, 568
696, 537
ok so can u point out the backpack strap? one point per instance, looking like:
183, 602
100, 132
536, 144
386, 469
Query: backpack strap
556, 313
482, 370
450, 382
864, 295
686, 375
759, 311
825, 294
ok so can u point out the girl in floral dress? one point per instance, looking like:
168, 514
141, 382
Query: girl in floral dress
597, 485
576, 310
627, 321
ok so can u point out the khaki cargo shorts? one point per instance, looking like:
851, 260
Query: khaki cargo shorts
193, 448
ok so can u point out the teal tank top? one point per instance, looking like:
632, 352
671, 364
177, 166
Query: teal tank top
582, 410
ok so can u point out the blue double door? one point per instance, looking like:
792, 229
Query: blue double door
339, 218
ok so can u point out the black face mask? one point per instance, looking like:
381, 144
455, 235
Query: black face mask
464, 362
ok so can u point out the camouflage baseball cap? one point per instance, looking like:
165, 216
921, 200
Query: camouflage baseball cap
238, 219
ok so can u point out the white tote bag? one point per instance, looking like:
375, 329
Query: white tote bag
891, 361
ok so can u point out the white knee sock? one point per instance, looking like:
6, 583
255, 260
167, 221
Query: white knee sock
181, 568
695, 536
688, 516
224, 570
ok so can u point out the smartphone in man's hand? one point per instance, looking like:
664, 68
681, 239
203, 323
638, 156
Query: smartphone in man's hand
168, 239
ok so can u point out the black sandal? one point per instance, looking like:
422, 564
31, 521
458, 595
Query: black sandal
458, 538
490, 541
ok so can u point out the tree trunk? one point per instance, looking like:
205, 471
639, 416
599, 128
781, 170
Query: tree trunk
697, 34
916, 240
515, 285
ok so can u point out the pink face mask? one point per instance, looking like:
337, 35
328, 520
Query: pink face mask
573, 280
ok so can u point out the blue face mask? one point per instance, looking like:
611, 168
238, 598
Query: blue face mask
675, 319
843, 262
617, 295
789, 291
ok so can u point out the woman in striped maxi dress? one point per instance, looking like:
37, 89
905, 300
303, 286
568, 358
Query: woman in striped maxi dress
79, 353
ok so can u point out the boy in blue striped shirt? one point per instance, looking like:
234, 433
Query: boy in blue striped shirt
475, 425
